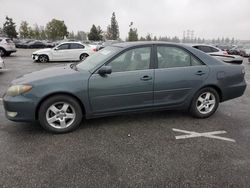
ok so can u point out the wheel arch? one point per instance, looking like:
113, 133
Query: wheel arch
2, 48
216, 88
84, 53
59, 93
45, 54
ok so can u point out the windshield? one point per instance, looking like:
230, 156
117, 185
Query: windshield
98, 58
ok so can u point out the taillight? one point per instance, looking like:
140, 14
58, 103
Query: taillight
243, 70
94, 49
225, 53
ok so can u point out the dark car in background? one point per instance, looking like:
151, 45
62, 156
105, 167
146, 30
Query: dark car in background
35, 44
124, 78
246, 50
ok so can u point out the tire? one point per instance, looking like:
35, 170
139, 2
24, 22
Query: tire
83, 57
7, 53
2, 52
43, 58
205, 103
64, 113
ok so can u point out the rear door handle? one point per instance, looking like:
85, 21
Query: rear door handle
200, 73
146, 78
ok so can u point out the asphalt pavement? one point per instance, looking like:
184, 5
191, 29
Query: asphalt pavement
139, 150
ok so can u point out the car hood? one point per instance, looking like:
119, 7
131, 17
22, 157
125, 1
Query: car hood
42, 51
50, 74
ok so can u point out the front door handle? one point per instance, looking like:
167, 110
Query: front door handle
200, 73
146, 78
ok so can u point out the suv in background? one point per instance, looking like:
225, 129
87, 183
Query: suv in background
7, 47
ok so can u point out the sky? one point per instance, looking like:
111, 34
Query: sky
207, 18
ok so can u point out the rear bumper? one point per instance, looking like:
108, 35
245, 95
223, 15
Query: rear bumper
233, 91
23, 107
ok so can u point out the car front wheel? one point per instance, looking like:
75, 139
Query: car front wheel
205, 103
43, 59
60, 114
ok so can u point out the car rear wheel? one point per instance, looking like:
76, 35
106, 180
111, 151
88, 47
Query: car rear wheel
204, 103
43, 59
83, 57
60, 114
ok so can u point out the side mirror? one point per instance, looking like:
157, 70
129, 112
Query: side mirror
55, 48
105, 70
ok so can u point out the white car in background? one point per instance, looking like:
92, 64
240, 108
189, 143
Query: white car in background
7, 47
66, 51
2, 65
209, 49
218, 53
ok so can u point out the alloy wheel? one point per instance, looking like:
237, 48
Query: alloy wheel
60, 115
206, 103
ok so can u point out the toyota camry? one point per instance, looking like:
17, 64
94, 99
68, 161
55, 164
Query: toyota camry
123, 78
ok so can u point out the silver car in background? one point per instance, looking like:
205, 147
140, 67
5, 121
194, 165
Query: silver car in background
2, 65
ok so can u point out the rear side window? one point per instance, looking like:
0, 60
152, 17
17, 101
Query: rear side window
76, 46
170, 57
213, 49
205, 49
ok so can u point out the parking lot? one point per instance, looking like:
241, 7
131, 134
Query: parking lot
139, 150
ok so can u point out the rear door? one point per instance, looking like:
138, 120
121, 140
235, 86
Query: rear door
75, 51
178, 74
128, 87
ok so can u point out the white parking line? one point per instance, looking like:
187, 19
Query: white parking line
192, 134
1, 99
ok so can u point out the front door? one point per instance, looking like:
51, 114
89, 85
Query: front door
61, 53
129, 86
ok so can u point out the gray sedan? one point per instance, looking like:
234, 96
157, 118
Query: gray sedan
125, 77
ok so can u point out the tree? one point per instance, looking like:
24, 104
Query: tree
31, 32
175, 39
36, 32
113, 29
56, 29
142, 39
132, 34
95, 33
232, 41
71, 35
81, 35
42, 33
23, 29
9, 28
148, 37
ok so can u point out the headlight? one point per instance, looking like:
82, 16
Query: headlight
18, 89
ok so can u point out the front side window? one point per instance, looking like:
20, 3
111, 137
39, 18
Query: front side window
63, 47
134, 59
169, 57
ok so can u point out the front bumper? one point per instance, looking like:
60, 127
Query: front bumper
24, 108
35, 57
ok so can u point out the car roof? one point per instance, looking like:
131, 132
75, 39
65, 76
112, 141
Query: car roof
140, 43
72, 42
